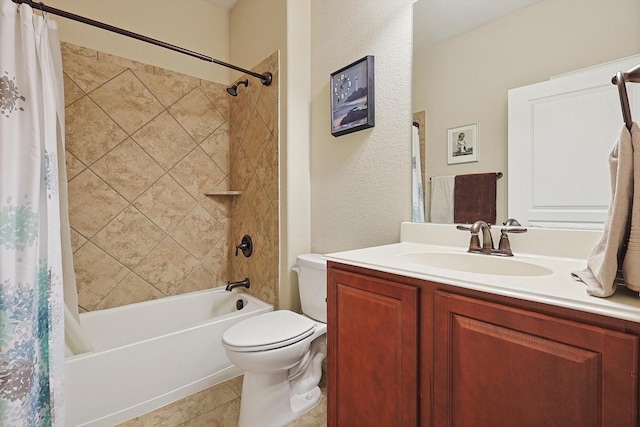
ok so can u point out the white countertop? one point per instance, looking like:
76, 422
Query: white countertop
557, 288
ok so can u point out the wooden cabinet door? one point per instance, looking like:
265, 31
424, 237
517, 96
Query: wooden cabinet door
500, 366
372, 352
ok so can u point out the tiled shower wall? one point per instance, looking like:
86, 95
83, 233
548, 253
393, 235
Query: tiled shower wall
143, 146
254, 171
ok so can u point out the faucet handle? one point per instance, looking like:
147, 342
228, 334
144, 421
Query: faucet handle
505, 246
474, 243
511, 222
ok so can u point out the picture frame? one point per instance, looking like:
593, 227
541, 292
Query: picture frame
353, 97
462, 144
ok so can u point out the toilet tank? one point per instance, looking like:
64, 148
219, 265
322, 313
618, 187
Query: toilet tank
312, 284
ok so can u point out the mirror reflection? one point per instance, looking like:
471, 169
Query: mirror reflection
469, 54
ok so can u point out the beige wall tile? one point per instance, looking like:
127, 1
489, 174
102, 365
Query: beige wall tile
128, 169
97, 274
130, 237
166, 89
199, 280
90, 133
72, 91
87, 72
217, 147
218, 206
167, 266
165, 203
165, 140
130, 290
76, 240
74, 166
198, 233
267, 169
197, 173
241, 170
217, 260
127, 101
217, 94
92, 203
255, 138
197, 115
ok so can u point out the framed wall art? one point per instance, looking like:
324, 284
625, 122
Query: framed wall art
352, 97
462, 144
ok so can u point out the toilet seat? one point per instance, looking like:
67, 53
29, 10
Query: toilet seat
268, 331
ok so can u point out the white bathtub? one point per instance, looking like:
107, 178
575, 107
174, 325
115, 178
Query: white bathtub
149, 354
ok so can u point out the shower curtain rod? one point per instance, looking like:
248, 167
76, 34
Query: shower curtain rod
266, 78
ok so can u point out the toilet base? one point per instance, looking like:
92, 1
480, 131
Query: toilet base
267, 402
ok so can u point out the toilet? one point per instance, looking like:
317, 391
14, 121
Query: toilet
281, 352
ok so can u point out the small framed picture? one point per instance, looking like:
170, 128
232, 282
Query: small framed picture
352, 97
463, 144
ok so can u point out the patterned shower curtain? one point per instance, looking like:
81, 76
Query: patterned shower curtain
31, 267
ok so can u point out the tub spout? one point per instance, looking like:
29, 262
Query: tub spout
241, 283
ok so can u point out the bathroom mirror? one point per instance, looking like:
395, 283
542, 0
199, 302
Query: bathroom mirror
469, 54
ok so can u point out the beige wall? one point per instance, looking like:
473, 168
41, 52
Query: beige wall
465, 80
361, 182
196, 25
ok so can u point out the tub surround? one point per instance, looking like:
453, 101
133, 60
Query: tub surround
253, 152
144, 145
562, 251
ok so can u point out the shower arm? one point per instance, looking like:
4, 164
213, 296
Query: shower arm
266, 78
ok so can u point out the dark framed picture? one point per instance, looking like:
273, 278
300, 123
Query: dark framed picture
352, 97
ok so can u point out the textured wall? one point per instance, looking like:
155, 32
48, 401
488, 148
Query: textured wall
254, 171
143, 145
361, 182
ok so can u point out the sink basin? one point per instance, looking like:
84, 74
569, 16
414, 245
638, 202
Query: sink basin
475, 263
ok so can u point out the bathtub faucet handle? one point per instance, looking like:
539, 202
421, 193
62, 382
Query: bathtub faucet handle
242, 283
246, 246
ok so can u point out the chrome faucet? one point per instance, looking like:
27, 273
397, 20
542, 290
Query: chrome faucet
242, 283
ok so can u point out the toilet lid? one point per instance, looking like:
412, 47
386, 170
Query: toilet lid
266, 331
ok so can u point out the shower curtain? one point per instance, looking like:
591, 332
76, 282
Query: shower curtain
33, 222
416, 166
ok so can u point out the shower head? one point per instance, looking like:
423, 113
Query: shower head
233, 90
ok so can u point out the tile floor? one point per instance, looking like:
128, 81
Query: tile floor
219, 406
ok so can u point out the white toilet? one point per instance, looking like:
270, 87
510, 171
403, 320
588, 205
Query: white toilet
281, 352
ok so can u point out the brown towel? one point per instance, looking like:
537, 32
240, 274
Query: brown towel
474, 198
602, 264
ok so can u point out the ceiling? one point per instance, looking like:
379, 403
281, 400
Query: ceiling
435, 21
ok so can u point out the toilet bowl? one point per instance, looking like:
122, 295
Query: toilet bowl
281, 353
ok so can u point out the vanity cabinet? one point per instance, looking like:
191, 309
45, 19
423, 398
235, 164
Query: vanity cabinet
408, 352
495, 365
374, 351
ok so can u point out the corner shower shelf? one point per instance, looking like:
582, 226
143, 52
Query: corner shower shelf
223, 193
